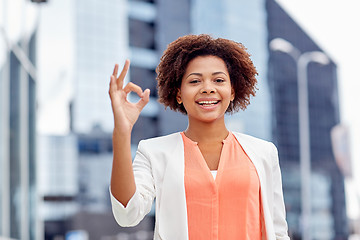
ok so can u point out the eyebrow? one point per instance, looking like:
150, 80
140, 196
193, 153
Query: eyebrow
199, 74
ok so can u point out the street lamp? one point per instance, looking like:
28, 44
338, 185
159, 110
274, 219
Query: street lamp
302, 60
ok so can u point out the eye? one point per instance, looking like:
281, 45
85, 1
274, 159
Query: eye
194, 81
219, 80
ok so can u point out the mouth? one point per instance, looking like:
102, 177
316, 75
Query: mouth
208, 103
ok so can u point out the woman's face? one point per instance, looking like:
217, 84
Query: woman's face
206, 89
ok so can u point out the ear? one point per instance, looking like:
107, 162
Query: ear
232, 94
178, 97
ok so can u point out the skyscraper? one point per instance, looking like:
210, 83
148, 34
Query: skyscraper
100, 41
328, 218
18, 198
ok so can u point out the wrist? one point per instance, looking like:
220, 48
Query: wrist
122, 131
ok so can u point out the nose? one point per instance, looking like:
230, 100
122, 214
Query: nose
208, 88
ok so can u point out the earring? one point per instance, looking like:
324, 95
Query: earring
179, 101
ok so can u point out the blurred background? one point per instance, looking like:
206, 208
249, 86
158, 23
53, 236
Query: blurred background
56, 57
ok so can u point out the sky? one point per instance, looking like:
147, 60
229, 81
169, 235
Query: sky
333, 25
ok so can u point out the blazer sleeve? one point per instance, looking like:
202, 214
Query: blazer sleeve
140, 203
279, 215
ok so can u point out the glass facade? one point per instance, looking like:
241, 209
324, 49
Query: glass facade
4, 159
142, 41
58, 175
328, 217
95, 156
32, 145
14, 141
18, 156
101, 40
3, 147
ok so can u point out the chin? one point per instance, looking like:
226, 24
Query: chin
210, 119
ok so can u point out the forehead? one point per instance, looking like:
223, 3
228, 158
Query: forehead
206, 63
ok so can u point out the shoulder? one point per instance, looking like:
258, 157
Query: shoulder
251, 139
159, 151
162, 143
255, 144
171, 138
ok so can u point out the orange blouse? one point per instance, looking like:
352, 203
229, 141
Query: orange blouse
227, 207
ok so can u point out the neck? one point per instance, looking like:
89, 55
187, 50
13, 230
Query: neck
207, 132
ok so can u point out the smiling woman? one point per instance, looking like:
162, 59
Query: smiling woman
205, 90
179, 53
209, 183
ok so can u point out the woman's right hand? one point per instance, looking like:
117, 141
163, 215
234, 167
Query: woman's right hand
125, 112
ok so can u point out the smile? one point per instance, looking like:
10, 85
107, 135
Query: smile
207, 103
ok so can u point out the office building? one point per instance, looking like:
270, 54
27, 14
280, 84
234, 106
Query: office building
100, 40
328, 217
58, 186
18, 193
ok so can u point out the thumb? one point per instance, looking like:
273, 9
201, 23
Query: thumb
144, 99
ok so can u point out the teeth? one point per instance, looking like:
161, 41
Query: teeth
207, 102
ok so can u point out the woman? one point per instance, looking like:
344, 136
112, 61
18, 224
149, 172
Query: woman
209, 183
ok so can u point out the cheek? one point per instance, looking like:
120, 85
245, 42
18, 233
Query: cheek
186, 93
229, 94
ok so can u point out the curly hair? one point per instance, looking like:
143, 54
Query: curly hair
179, 53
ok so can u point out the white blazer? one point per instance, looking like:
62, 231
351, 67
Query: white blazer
159, 172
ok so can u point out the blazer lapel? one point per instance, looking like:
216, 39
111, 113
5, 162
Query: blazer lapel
250, 150
173, 200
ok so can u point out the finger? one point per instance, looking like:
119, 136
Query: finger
120, 79
131, 87
115, 72
112, 84
144, 99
